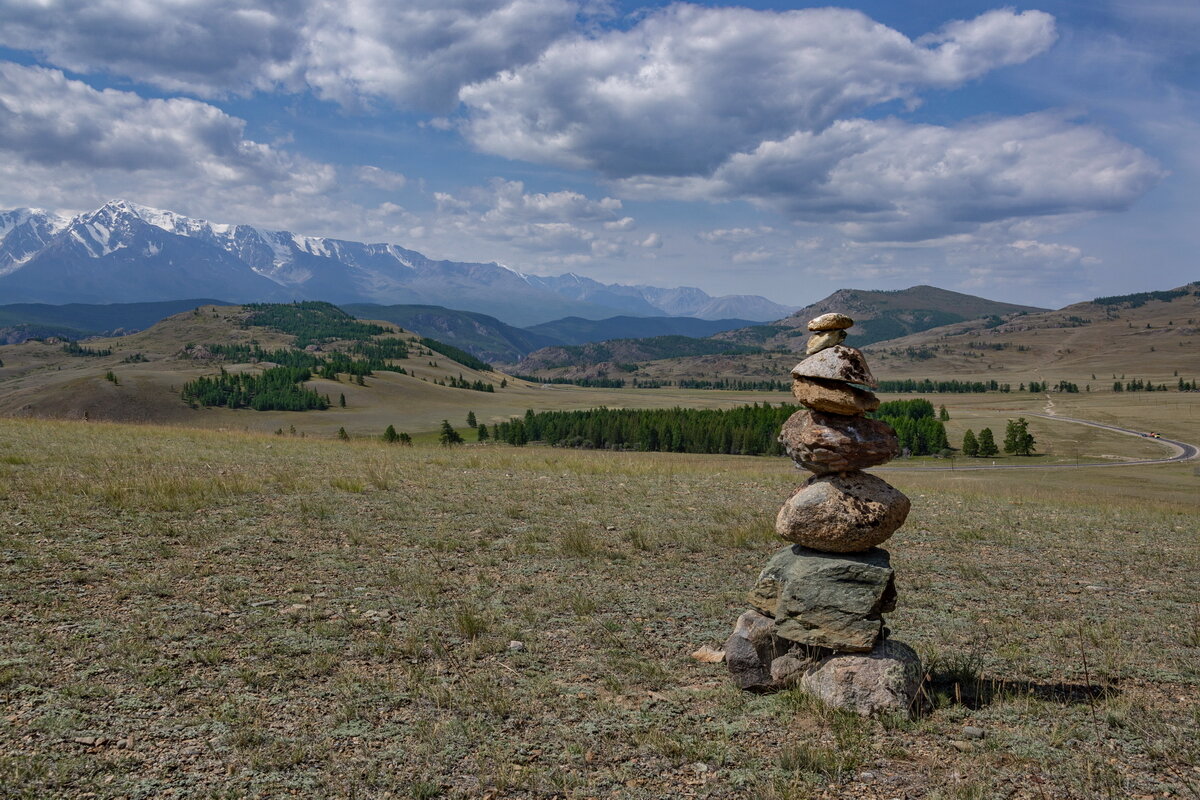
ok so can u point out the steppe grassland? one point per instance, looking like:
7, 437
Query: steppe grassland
220, 614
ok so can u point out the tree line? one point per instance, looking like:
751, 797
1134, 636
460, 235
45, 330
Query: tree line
747, 430
917, 428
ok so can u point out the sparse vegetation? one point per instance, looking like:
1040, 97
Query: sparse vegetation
237, 615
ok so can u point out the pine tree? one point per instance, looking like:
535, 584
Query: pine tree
390, 436
482, 433
449, 436
504, 383
943, 414
471, 421
359, 380
1017, 438
987, 444
970, 445
345, 437
405, 439
342, 400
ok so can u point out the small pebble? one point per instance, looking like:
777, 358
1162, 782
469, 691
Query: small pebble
962, 747
516, 646
971, 732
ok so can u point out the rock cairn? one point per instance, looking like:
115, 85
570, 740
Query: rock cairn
818, 606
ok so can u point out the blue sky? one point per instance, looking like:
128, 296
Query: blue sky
1040, 152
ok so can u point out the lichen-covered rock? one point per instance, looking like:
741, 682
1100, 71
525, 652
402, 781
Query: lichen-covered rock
837, 363
830, 322
823, 339
826, 443
833, 600
885, 680
842, 513
834, 397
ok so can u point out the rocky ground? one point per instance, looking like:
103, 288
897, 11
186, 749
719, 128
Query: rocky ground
201, 614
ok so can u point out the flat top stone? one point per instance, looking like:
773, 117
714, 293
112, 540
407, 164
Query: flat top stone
830, 322
837, 363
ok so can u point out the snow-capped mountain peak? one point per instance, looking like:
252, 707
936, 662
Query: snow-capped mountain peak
127, 252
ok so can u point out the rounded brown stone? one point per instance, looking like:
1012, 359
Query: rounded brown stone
825, 443
830, 322
834, 397
823, 339
842, 513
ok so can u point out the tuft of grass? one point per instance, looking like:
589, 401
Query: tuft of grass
578, 541
348, 485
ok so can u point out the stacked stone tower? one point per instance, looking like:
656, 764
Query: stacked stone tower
819, 603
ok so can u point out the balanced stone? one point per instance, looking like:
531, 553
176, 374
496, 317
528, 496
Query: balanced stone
823, 339
827, 599
833, 396
825, 443
830, 322
842, 513
750, 651
837, 363
885, 680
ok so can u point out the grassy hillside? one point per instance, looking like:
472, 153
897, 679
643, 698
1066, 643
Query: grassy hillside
595, 358
241, 615
577, 330
878, 315
21, 321
38, 379
483, 336
1150, 337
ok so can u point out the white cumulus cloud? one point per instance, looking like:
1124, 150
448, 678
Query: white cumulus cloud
689, 86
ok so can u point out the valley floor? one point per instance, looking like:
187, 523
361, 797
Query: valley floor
192, 613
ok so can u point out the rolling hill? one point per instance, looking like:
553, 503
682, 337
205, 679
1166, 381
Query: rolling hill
577, 330
878, 316
22, 321
479, 334
1152, 336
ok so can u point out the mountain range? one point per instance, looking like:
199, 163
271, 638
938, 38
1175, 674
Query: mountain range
124, 253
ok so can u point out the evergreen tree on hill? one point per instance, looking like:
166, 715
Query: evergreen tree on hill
1017, 439
970, 445
448, 435
987, 444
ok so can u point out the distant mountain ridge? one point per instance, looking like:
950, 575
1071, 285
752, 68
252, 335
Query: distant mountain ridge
20, 322
576, 330
124, 252
480, 335
878, 316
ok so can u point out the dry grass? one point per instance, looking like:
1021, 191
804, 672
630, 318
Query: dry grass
209, 614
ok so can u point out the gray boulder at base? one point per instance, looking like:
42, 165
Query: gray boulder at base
833, 600
842, 513
884, 680
837, 363
825, 443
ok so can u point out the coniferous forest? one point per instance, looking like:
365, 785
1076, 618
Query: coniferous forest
275, 389
748, 430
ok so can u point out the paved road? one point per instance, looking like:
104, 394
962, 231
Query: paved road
1182, 452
